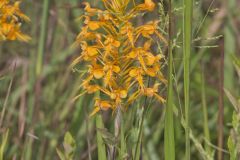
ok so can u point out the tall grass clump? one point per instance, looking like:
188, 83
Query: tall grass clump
11, 18
187, 43
117, 59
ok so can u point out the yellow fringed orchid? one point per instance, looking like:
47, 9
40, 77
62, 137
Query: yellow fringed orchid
117, 65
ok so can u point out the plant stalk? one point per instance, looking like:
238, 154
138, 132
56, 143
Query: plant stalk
187, 41
100, 144
169, 144
42, 38
205, 113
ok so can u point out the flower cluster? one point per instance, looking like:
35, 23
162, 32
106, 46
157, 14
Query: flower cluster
117, 55
10, 21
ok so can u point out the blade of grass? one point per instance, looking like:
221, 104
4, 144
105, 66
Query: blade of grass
145, 107
42, 38
139, 139
169, 144
187, 41
220, 122
228, 73
123, 148
205, 113
100, 144
7, 97
39, 63
3, 144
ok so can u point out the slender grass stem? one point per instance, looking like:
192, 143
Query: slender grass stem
123, 143
220, 122
42, 38
117, 131
137, 150
7, 98
187, 41
169, 144
145, 109
205, 114
100, 144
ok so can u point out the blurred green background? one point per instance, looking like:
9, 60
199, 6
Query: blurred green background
37, 86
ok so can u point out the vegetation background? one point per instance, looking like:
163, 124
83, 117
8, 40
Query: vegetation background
37, 86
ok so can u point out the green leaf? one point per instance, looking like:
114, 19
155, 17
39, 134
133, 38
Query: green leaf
60, 154
232, 99
100, 143
108, 137
232, 148
69, 145
105, 134
3, 144
68, 139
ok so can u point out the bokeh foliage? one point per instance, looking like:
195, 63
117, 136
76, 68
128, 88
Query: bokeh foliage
39, 106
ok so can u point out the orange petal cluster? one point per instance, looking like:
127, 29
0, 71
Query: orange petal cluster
113, 60
10, 21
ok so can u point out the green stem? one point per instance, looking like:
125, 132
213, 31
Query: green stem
42, 38
205, 114
100, 143
123, 143
187, 41
169, 144
137, 150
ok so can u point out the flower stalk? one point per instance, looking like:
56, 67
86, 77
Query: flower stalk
187, 43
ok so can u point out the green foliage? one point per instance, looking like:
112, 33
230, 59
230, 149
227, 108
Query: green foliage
169, 144
100, 142
234, 137
69, 146
187, 49
3, 144
40, 109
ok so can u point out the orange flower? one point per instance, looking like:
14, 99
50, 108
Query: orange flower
128, 30
10, 16
150, 29
89, 10
152, 92
96, 70
138, 74
117, 66
91, 88
89, 52
101, 105
110, 69
110, 40
148, 5
85, 35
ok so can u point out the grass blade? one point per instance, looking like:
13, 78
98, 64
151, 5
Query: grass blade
42, 38
3, 144
169, 144
205, 113
187, 41
100, 143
